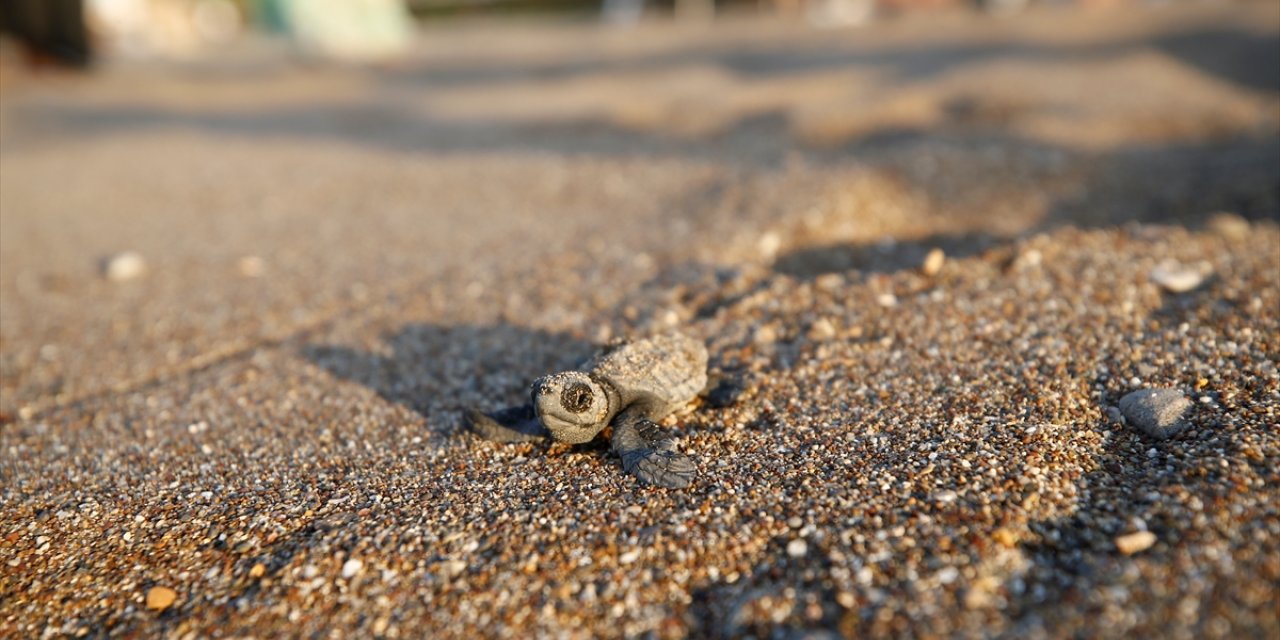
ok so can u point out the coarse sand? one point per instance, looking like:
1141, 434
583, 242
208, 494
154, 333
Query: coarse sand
926, 246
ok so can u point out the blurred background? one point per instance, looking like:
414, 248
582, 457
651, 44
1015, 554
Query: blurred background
70, 31
182, 179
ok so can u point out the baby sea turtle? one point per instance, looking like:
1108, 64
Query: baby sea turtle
629, 386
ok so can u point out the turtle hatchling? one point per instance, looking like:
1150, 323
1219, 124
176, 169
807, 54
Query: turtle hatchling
629, 386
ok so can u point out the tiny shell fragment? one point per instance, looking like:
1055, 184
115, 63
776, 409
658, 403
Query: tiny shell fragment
1176, 277
1132, 543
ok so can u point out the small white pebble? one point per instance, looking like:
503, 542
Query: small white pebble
629, 557
1029, 258
124, 266
1178, 278
765, 335
797, 548
822, 330
1132, 543
769, 244
351, 567
454, 568
887, 300
933, 262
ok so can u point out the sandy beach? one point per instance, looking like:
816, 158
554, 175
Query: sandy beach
937, 251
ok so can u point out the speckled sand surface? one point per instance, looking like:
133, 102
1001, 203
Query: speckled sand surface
260, 435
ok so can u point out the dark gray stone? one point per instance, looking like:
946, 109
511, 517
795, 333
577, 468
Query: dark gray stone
1157, 412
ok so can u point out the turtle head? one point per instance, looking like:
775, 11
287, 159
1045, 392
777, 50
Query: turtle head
572, 405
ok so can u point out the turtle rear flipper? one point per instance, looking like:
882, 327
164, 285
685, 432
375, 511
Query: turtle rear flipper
513, 424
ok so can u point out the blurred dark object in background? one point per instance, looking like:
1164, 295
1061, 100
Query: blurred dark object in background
50, 32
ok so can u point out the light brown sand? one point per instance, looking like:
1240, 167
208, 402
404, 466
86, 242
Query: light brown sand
913, 455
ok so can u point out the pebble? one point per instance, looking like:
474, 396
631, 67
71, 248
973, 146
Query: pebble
251, 266
830, 281
979, 594
1229, 225
258, 570
454, 568
822, 330
797, 548
1176, 277
887, 300
124, 266
1027, 259
351, 567
769, 244
1132, 543
1157, 412
1005, 538
161, 598
933, 262
1114, 415
765, 335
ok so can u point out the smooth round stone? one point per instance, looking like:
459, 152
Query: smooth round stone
797, 548
124, 266
161, 598
1178, 278
1158, 412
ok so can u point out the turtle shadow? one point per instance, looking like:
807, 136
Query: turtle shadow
437, 371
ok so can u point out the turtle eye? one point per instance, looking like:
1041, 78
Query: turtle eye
576, 398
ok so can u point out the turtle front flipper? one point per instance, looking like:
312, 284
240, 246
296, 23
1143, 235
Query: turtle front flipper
513, 424
723, 389
646, 453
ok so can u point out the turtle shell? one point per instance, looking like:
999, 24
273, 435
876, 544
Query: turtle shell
670, 367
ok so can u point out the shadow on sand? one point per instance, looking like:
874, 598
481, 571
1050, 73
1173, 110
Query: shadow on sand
437, 371
1183, 184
